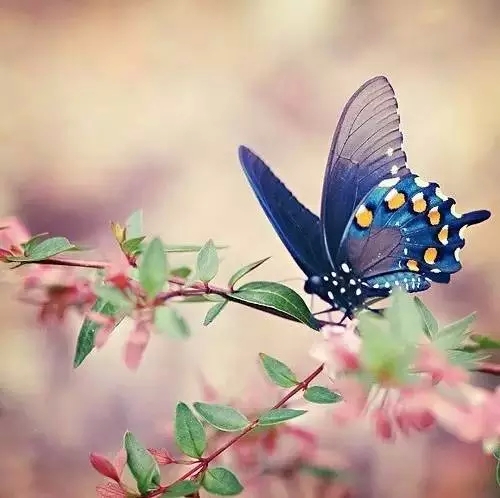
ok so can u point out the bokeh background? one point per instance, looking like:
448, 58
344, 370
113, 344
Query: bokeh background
108, 106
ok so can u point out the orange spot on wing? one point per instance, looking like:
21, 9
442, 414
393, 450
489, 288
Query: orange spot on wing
364, 217
443, 235
412, 265
395, 199
434, 216
430, 255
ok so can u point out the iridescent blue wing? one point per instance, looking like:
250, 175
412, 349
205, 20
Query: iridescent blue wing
406, 233
366, 148
297, 227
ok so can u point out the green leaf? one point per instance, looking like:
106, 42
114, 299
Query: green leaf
134, 225
497, 473
169, 320
85, 341
187, 248
207, 262
321, 395
182, 488
189, 432
181, 272
485, 342
454, 335
246, 269
113, 296
141, 463
404, 317
133, 246
213, 312
384, 352
34, 241
222, 482
431, 326
279, 415
276, 299
278, 372
153, 271
47, 249
323, 473
222, 417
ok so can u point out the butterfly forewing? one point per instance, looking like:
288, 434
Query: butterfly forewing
366, 148
297, 227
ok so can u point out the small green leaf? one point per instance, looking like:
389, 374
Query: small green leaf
485, 342
279, 415
182, 488
245, 270
207, 262
222, 417
222, 482
133, 246
323, 473
187, 248
404, 317
430, 323
189, 432
169, 320
181, 272
213, 312
277, 299
153, 271
113, 296
141, 463
134, 225
34, 241
85, 341
455, 334
278, 372
321, 395
47, 249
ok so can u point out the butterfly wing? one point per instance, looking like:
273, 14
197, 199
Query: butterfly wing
297, 227
366, 148
407, 233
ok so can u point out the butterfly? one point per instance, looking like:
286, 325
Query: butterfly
381, 226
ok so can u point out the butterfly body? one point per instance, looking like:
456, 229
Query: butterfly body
381, 226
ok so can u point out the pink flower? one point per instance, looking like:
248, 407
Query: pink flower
338, 348
56, 290
139, 338
13, 233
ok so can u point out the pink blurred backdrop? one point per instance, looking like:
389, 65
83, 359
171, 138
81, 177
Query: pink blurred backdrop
108, 106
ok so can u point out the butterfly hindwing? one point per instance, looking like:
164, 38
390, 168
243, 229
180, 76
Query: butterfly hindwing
366, 148
406, 225
297, 227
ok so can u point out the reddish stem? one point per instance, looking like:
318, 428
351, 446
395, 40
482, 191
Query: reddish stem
301, 386
487, 367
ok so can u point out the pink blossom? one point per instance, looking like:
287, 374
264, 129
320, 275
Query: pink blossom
338, 348
56, 290
138, 339
13, 233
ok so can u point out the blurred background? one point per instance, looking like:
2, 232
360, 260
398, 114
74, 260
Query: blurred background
109, 106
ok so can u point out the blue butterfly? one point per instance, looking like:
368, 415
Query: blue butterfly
381, 226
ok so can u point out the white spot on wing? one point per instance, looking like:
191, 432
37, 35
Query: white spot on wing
342, 290
325, 278
389, 182
453, 211
390, 151
441, 195
457, 254
420, 182
345, 267
394, 170
330, 294
461, 232
358, 292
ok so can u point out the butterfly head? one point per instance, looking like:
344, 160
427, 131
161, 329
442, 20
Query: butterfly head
342, 289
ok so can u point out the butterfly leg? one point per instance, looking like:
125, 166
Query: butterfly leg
329, 310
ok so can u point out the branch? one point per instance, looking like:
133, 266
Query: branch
301, 386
